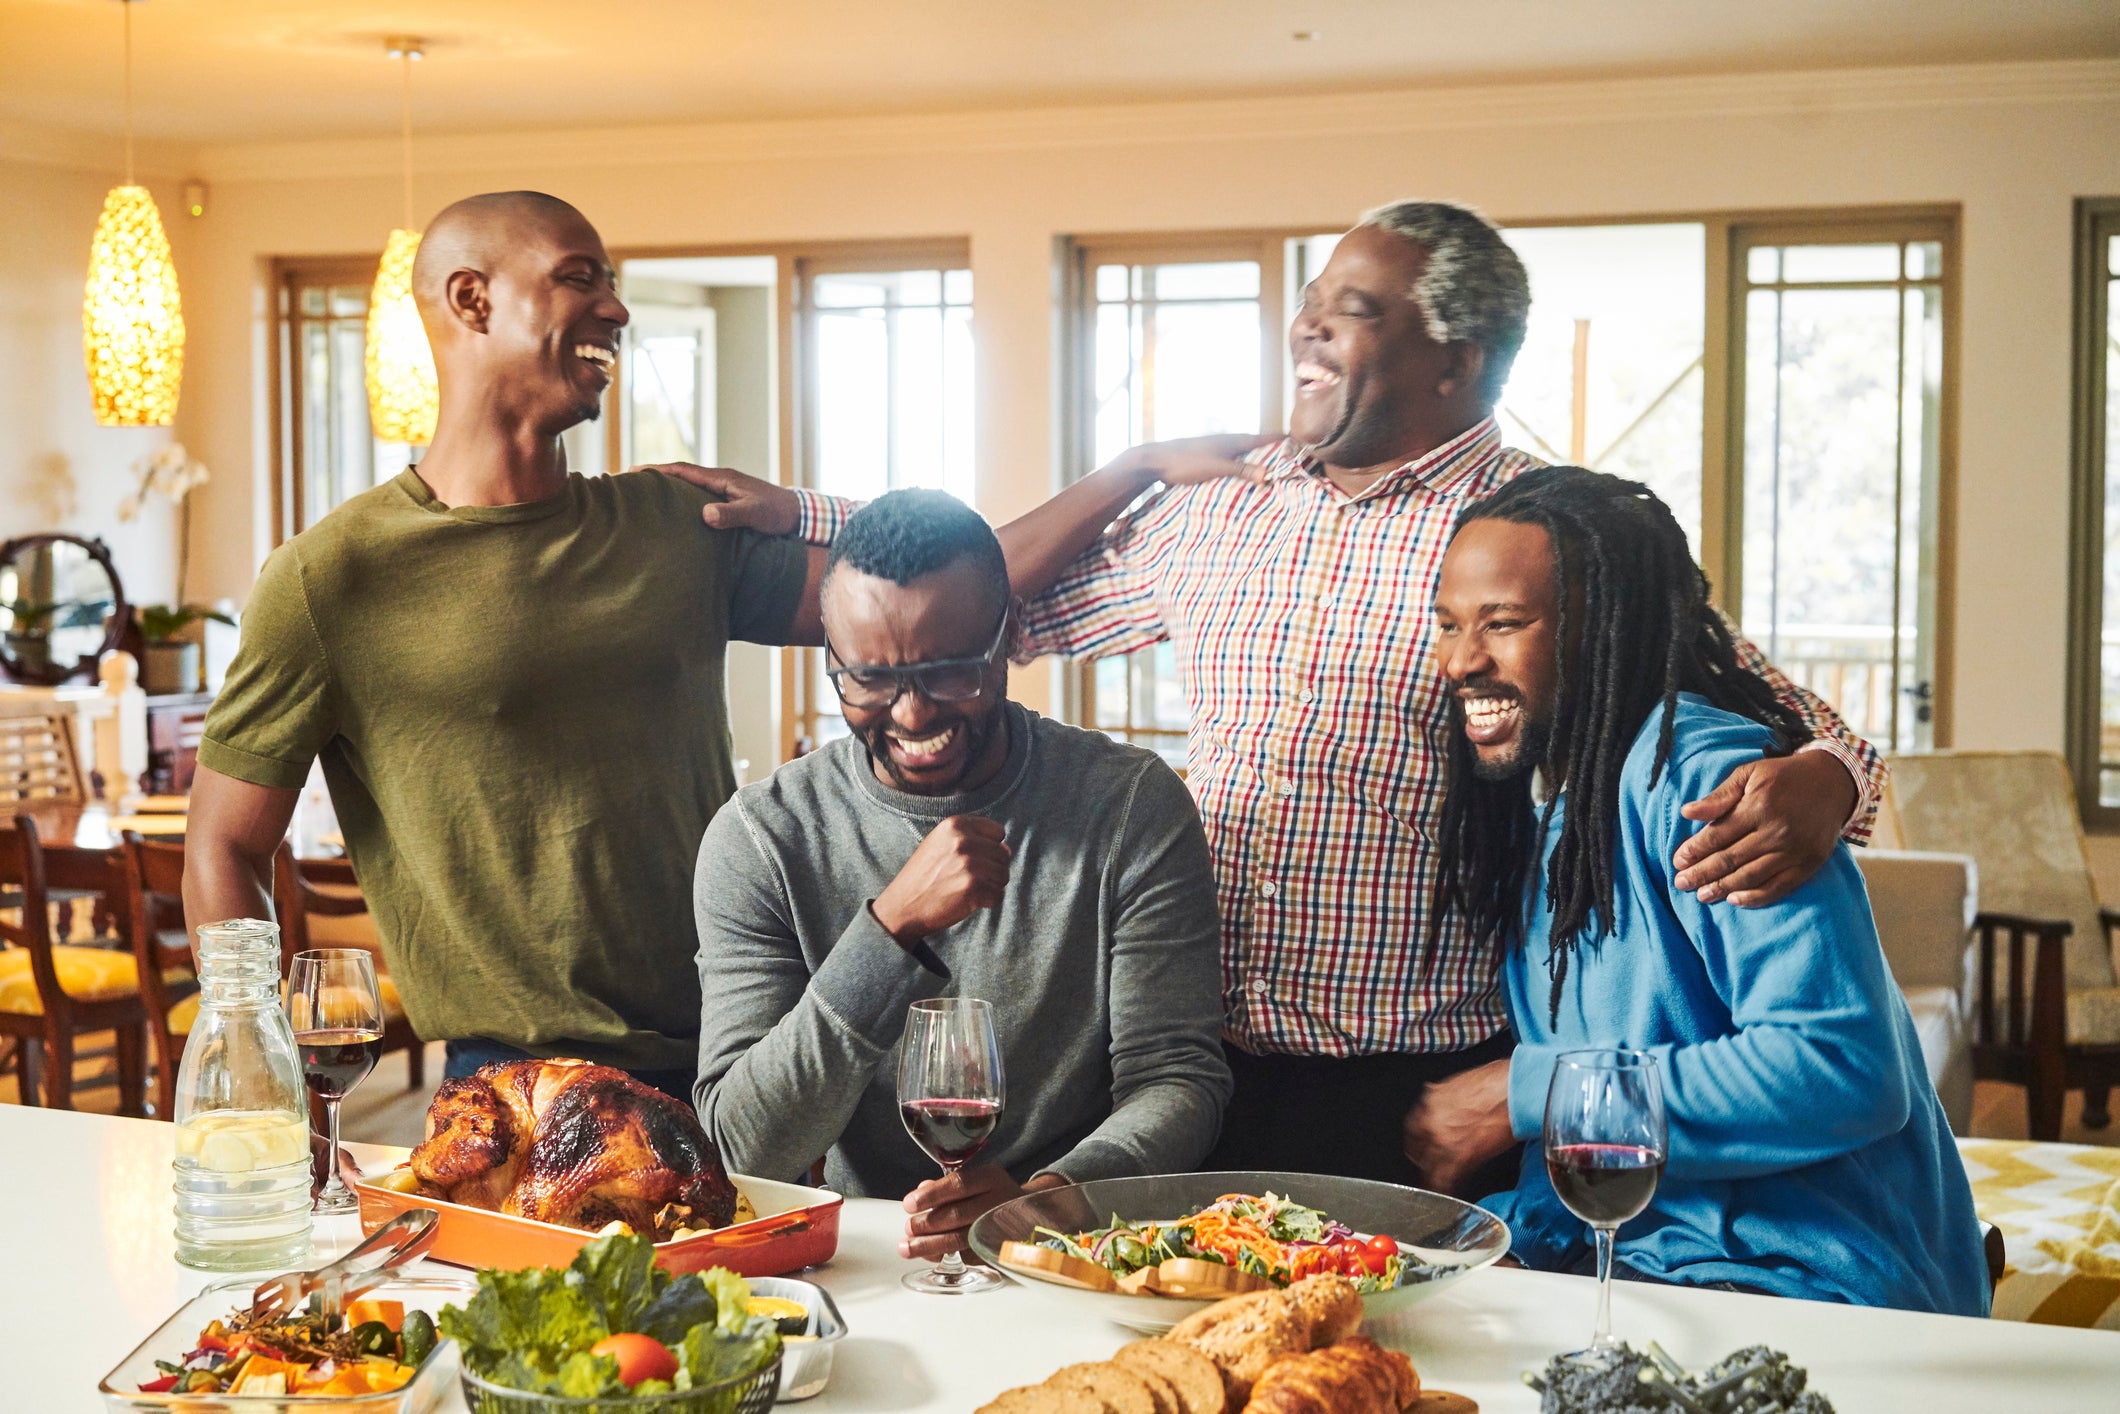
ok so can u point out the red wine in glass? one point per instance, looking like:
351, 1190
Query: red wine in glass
951, 1131
1605, 1140
1604, 1184
335, 1061
950, 1094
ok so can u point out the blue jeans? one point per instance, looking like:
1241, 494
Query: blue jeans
466, 1056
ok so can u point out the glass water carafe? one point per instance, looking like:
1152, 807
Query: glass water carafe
242, 1165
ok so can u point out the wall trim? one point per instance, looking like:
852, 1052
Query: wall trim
1808, 93
92, 152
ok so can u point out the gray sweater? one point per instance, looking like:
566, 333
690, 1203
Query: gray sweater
1101, 964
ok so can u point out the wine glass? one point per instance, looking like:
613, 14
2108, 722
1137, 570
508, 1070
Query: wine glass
949, 1095
1605, 1144
336, 1010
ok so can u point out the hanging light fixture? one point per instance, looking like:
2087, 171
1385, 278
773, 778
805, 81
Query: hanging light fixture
132, 322
403, 399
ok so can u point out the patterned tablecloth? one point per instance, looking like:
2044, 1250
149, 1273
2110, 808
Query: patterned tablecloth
2058, 1206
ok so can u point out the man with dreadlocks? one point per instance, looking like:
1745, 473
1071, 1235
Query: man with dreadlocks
1808, 1154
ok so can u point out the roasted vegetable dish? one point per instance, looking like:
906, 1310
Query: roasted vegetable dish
374, 1348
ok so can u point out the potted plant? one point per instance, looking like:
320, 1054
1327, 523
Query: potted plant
29, 631
172, 663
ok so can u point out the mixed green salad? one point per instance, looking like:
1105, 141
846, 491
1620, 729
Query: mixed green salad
613, 1324
1268, 1235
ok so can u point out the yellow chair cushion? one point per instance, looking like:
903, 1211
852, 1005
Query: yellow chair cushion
85, 974
186, 1012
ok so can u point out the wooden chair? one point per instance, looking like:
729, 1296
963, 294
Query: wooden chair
51, 993
307, 888
38, 765
162, 954
2046, 1012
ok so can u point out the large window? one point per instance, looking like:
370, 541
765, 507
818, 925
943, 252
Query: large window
1839, 335
1781, 385
327, 452
1175, 338
2094, 697
883, 343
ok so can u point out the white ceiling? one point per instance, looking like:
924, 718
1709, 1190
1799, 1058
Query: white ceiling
231, 70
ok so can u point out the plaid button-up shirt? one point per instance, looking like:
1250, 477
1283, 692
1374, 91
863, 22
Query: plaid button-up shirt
1300, 617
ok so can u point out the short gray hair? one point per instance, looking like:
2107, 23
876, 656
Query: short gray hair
1473, 289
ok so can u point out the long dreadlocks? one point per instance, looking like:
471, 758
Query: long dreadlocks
1635, 630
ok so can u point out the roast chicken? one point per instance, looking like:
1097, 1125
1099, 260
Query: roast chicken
565, 1141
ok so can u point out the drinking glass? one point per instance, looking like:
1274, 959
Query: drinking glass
949, 1095
336, 1010
1605, 1142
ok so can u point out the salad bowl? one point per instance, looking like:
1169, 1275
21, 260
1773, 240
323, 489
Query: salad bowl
1441, 1239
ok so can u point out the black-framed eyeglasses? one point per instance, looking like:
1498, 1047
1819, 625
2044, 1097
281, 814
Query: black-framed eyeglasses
938, 680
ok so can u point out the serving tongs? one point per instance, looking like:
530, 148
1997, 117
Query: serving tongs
404, 1239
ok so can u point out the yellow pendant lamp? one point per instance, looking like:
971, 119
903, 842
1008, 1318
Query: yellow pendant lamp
403, 399
132, 322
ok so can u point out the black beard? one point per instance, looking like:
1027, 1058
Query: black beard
1533, 746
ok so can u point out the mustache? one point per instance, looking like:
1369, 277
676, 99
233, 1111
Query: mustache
1482, 687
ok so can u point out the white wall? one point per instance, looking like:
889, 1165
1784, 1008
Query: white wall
2012, 144
58, 469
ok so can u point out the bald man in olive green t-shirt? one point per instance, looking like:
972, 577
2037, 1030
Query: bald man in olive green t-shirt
513, 677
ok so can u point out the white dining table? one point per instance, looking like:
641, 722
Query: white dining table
87, 1269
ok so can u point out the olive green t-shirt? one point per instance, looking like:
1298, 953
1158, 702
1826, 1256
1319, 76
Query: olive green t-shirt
521, 715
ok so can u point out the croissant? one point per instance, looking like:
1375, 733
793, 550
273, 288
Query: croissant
564, 1141
1351, 1376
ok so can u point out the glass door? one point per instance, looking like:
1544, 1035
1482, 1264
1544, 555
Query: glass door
1840, 341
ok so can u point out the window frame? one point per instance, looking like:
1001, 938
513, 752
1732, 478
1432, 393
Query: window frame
1079, 256
288, 275
2096, 222
1739, 233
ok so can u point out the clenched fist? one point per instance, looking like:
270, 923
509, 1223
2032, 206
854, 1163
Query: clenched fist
961, 867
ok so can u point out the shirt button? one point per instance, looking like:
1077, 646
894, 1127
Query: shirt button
1326, 602
1269, 888
1288, 788
1306, 696
1258, 986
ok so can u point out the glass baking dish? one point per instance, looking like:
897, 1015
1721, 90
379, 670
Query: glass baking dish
180, 1333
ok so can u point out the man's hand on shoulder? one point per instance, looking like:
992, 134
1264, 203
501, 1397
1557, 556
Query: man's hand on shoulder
747, 503
960, 868
944, 1209
1775, 822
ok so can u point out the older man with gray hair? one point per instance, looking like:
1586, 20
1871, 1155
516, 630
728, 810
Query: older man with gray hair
1296, 597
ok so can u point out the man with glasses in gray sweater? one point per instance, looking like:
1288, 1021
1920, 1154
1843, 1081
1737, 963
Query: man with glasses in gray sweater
955, 844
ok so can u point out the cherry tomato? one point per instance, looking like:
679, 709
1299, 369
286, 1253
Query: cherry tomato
1377, 1253
1354, 1257
639, 1357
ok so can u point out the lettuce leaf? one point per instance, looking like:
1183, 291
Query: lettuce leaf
532, 1329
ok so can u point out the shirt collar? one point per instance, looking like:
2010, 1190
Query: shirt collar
1462, 457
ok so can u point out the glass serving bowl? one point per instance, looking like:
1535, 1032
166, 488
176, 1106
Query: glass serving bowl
180, 1333
747, 1394
1455, 1237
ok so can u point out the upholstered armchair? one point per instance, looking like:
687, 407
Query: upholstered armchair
2046, 1007
1924, 905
